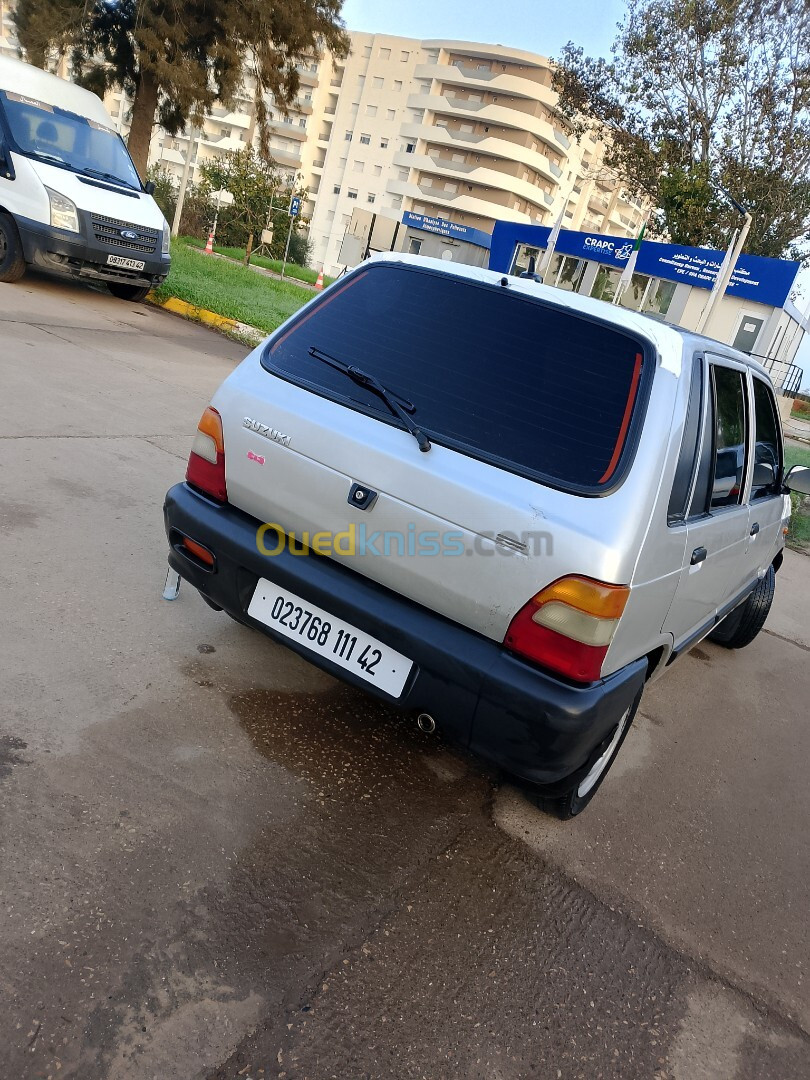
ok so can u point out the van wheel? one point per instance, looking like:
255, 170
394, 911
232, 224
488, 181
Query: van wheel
575, 800
741, 626
133, 293
12, 261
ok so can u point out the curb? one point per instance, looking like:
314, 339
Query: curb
197, 314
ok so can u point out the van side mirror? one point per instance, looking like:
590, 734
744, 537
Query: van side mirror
798, 479
6, 168
149, 187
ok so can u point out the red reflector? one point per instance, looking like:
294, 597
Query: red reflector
209, 478
200, 552
583, 663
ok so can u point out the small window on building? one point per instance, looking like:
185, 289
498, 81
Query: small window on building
358, 166
383, 144
355, 106
348, 136
336, 189
365, 139
403, 174
352, 193
391, 114
466, 128
398, 86
302, 122
414, 246
371, 110
378, 170
385, 54
378, 83
410, 147
366, 52
659, 298
371, 197
396, 202
451, 188
404, 56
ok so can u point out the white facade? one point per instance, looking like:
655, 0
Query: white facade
8, 33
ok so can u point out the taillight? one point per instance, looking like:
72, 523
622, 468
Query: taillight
206, 462
568, 626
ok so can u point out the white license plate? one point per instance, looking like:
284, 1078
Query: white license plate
332, 638
125, 264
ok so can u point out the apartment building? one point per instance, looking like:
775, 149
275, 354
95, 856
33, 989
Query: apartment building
8, 33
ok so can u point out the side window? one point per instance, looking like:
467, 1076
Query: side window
689, 448
767, 445
730, 440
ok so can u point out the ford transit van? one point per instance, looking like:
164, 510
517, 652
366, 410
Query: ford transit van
71, 199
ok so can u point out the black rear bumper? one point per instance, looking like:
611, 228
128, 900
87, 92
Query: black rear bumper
83, 257
529, 723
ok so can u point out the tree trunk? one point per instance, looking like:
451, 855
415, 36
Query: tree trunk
248, 249
143, 120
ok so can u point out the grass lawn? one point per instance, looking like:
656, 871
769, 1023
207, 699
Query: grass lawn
302, 273
227, 289
799, 535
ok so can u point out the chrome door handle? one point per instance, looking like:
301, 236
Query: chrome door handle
698, 555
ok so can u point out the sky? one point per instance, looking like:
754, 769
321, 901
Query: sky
541, 26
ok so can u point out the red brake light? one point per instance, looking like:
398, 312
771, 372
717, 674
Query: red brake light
206, 462
568, 626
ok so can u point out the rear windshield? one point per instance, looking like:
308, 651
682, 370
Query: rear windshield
529, 387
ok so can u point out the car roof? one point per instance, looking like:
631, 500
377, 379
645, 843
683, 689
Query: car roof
671, 341
21, 78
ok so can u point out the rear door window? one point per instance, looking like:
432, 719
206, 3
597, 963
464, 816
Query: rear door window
528, 386
730, 436
767, 445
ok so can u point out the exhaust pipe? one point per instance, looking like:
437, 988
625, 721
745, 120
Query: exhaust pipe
426, 723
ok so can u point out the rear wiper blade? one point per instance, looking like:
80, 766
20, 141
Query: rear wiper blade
398, 405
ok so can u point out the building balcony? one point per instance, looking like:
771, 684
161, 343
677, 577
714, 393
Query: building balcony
464, 203
496, 81
288, 129
488, 113
483, 144
285, 157
477, 174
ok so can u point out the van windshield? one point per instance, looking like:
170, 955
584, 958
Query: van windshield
531, 387
68, 140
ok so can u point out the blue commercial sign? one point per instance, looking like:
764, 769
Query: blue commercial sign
755, 277
446, 228
295, 206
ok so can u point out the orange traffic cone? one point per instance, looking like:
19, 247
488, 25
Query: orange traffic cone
209, 247
319, 282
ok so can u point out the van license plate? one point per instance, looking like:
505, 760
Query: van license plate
332, 638
125, 264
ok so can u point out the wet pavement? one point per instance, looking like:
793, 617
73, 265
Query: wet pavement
216, 862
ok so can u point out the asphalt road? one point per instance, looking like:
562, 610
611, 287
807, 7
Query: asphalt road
216, 862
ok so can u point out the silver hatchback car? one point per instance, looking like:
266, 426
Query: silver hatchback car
498, 506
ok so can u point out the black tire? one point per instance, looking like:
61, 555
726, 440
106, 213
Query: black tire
12, 260
741, 626
133, 293
571, 803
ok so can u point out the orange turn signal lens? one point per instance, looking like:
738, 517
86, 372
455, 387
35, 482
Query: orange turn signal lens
584, 594
211, 424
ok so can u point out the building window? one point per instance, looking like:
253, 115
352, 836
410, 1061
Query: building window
469, 128
414, 246
397, 86
371, 110
378, 82
371, 197
365, 139
367, 52
391, 114
348, 136
404, 56
424, 88
336, 189
410, 147
378, 170
352, 193
403, 174
383, 144
385, 54
302, 122
358, 166
396, 202
355, 106
659, 298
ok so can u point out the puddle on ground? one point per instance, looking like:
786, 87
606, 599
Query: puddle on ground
344, 742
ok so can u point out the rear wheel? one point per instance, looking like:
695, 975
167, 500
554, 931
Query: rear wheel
574, 801
741, 626
12, 261
134, 293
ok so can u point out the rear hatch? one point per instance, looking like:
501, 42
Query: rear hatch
531, 411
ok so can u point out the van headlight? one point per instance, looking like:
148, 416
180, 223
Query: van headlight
63, 212
166, 238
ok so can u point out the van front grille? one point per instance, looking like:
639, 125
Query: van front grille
108, 232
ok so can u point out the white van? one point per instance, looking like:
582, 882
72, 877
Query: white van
71, 199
